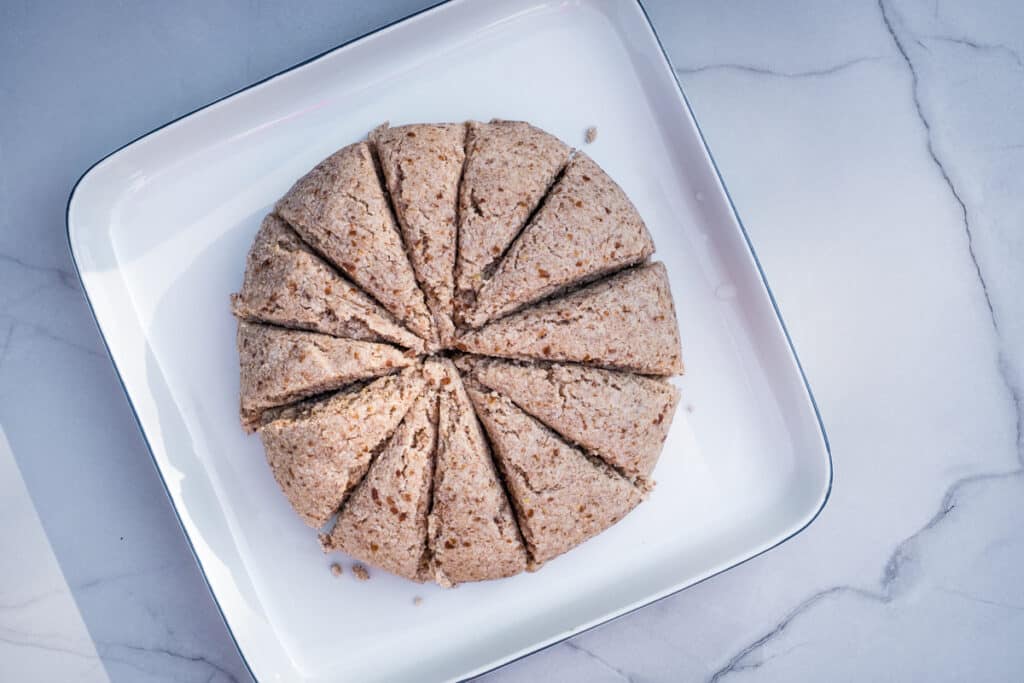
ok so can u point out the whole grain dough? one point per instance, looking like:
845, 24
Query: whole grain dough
385, 261
422, 164
562, 497
287, 284
340, 209
586, 228
385, 521
624, 322
280, 366
620, 417
510, 166
472, 530
320, 450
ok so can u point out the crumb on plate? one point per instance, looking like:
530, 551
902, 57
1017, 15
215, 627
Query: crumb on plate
591, 134
336, 569
360, 572
417, 601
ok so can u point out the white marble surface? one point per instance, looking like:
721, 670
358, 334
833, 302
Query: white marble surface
876, 154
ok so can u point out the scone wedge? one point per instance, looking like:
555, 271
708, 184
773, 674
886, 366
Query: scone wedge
624, 322
472, 529
384, 522
586, 228
340, 209
280, 366
320, 450
510, 165
286, 284
422, 165
620, 417
561, 496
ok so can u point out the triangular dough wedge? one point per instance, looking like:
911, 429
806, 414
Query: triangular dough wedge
384, 522
625, 322
422, 164
339, 208
620, 417
561, 496
280, 366
472, 530
509, 167
320, 450
287, 284
586, 228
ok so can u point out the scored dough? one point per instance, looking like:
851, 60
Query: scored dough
340, 209
385, 521
586, 228
287, 284
625, 322
472, 530
320, 450
280, 366
620, 417
561, 496
422, 164
492, 239
509, 167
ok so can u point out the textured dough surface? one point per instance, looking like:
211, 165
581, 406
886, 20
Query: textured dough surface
624, 322
385, 521
280, 366
320, 450
453, 348
509, 167
472, 529
339, 208
620, 417
561, 496
586, 228
422, 165
286, 284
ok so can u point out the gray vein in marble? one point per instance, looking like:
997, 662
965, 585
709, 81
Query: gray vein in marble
888, 585
604, 664
904, 551
7, 343
32, 600
110, 652
198, 659
47, 334
765, 71
930, 145
83, 586
984, 601
736, 663
984, 47
65, 277
36, 645
1003, 365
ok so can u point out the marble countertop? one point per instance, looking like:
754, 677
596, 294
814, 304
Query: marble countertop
875, 151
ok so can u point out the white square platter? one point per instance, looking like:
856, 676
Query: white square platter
159, 231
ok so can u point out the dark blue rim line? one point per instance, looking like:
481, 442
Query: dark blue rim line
732, 207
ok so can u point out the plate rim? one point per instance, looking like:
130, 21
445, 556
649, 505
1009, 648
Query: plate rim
732, 209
